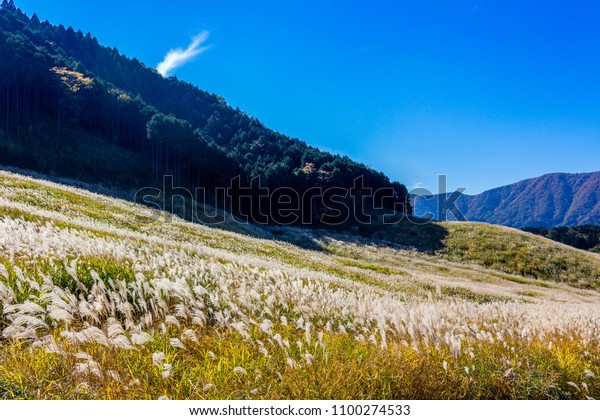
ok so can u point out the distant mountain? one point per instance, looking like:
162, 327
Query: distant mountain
550, 200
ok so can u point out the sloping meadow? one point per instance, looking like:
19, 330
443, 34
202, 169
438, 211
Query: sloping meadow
98, 302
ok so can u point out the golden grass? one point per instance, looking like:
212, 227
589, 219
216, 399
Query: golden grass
520, 253
97, 303
344, 369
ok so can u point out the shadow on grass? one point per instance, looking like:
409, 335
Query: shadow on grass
414, 233
407, 234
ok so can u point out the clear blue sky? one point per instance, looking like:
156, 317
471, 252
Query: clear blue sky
487, 92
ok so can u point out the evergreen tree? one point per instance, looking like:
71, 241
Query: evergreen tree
62, 91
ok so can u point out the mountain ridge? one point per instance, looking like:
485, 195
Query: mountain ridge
74, 108
548, 200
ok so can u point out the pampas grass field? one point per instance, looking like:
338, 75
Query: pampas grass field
98, 301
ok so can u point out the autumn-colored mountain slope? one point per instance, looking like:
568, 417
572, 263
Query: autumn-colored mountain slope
549, 200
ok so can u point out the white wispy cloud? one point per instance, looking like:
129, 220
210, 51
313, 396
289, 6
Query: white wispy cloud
416, 186
178, 57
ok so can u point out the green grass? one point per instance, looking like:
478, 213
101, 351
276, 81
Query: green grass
345, 370
474, 266
515, 252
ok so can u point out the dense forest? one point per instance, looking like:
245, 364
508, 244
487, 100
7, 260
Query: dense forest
583, 237
73, 108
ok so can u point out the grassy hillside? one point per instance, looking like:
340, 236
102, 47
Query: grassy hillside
99, 301
521, 253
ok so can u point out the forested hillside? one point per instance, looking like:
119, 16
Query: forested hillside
73, 108
557, 199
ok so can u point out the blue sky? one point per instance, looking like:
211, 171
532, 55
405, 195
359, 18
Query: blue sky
487, 92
